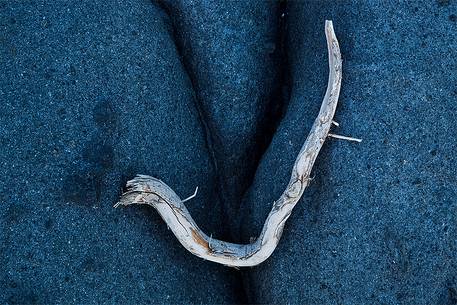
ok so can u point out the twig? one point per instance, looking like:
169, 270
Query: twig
336, 136
191, 196
151, 191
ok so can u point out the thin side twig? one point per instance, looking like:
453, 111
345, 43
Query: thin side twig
337, 136
151, 191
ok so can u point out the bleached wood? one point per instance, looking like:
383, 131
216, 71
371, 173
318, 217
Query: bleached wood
151, 191
337, 136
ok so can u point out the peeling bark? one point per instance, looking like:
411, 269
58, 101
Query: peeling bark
151, 191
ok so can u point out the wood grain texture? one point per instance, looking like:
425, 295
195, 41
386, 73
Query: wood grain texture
151, 191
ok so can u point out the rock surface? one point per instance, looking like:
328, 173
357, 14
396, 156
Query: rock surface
221, 95
233, 53
378, 223
93, 94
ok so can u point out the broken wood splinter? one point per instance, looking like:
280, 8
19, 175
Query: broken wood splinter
336, 136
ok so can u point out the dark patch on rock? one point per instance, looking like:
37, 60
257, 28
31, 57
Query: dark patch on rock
90, 264
397, 254
21, 295
49, 224
86, 185
82, 188
15, 213
99, 154
442, 3
449, 294
105, 116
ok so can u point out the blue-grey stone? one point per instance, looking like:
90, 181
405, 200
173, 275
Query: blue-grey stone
93, 93
232, 51
378, 223
221, 95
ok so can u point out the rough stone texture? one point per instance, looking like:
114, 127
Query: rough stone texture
92, 93
233, 53
378, 224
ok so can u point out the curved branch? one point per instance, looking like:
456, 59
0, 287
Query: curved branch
151, 191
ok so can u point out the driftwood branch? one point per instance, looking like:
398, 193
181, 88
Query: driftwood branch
151, 191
